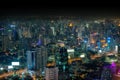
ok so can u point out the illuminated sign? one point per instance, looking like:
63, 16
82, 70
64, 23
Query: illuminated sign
10, 67
15, 63
70, 50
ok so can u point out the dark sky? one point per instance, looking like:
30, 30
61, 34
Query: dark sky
60, 8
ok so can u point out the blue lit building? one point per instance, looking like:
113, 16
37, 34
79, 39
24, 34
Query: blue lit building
30, 60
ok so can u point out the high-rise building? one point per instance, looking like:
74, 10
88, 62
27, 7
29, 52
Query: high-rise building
51, 73
4, 40
37, 59
63, 57
31, 60
41, 59
63, 64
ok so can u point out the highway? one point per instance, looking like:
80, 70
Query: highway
11, 73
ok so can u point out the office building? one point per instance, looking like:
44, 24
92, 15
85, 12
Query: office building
41, 59
31, 55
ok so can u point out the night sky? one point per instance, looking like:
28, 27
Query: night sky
59, 8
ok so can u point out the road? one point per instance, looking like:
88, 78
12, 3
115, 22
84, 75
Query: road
11, 73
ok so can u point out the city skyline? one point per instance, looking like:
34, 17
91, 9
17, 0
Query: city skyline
60, 41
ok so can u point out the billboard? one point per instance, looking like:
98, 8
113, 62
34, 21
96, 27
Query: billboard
15, 63
10, 67
70, 50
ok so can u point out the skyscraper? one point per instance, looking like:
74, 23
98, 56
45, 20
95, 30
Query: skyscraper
31, 60
63, 64
37, 59
41, 59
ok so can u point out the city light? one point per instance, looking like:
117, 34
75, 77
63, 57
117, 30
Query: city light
87, 25
51, 58
61, 44
12, 26
64, 67
100, 51
103, 41
10, 67
85, 40
118, 72
70, 50
113, 60
108, 41
82, 56
69, 57
116, 48
15, 63
71, 25
1, 68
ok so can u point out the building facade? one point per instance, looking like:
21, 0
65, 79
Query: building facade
41, 59
51, 73
37, 59
31, 56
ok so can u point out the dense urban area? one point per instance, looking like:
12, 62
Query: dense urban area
59, 48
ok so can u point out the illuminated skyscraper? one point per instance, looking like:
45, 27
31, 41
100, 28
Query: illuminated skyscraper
31, 60
37, 59
41, 59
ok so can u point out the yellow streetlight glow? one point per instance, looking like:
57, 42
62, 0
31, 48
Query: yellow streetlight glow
71, 25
